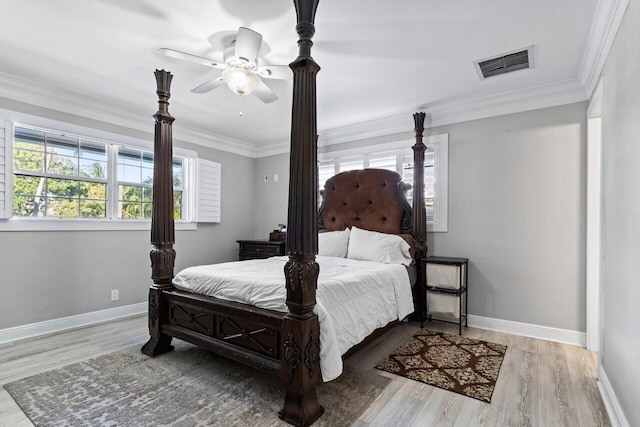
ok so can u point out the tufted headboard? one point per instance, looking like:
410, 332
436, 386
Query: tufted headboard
371, 199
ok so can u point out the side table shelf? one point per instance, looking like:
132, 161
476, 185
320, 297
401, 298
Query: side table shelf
461, 292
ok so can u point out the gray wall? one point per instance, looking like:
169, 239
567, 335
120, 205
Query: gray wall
52, 274
270, 198
516, 210
620, 349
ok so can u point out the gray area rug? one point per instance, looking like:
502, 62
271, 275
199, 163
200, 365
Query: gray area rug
187, 387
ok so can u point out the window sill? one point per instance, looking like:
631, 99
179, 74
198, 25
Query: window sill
74, 224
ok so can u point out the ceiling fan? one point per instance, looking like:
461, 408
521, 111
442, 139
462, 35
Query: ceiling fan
240, 69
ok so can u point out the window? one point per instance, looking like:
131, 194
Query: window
396, 157
135, 180
60, 176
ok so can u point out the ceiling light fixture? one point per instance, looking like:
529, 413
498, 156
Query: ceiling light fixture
240, 80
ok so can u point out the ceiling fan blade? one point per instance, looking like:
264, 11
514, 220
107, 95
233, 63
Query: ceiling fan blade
264, 93
280, 72
191, 58
247, 44
208, 86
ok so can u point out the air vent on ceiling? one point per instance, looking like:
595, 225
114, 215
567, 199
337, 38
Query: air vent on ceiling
512, 61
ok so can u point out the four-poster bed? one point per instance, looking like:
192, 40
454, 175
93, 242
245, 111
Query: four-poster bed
285, 343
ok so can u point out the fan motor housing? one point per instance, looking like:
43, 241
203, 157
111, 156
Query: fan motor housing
231, 60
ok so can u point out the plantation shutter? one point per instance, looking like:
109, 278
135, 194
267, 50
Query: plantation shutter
325, 171
6, 171
430, 170
208, 208
351, 163
386, 160
430, 181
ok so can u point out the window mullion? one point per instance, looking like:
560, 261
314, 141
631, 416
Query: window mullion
134, 184
59, 176
112, 186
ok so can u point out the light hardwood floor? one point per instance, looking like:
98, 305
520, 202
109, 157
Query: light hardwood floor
541, 383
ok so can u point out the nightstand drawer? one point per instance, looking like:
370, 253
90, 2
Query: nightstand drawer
257, 249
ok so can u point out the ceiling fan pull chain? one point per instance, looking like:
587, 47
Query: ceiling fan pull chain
240, 113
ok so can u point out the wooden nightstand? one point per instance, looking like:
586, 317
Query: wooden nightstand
259, 249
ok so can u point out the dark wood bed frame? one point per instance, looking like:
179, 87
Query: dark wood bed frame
275, 342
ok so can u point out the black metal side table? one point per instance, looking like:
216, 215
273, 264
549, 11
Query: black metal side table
461, 292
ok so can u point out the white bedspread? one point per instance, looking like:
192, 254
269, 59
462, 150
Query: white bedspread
353, 299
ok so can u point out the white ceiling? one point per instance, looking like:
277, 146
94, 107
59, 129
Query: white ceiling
379, 58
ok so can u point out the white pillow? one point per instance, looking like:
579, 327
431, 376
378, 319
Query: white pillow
378, 247
333, 243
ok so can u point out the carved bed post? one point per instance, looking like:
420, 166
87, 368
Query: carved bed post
300, 368
162, 226
419, 218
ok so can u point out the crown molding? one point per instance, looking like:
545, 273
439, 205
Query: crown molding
40, 95
550, 95
366, 130
273, 148
441, 114
606, 22
219, 142
545, 96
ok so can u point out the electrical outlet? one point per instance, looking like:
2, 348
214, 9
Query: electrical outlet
275, 177
115, 295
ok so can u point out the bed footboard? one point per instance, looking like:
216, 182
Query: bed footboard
238, 331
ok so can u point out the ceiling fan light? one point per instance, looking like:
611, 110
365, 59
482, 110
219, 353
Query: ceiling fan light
240, 80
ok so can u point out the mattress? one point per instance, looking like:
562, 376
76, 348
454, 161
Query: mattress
353, 298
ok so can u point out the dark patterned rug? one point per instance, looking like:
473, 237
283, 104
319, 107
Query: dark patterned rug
187, 387
462, 365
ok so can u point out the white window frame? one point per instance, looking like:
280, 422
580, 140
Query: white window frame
440, 143
92, 224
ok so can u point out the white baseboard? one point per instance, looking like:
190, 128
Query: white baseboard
616, 415
529, 330
71, 322
86, 319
